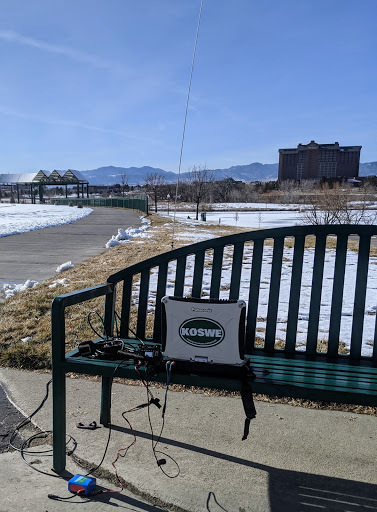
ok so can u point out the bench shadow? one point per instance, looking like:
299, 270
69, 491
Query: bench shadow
290, 490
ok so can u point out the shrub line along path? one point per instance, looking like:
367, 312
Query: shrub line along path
36, 254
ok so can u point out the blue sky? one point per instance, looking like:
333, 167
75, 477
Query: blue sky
87, 83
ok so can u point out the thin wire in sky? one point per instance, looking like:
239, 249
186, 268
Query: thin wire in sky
184, 123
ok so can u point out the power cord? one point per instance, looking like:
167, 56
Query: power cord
24, 449
160, 461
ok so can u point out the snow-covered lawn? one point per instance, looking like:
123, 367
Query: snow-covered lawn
20, 218
262, 219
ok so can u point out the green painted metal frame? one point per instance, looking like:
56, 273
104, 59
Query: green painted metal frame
350, 378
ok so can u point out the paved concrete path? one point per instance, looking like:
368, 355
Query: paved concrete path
36, 254
295, 459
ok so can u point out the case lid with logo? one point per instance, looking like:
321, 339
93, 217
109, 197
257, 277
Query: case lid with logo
205, 331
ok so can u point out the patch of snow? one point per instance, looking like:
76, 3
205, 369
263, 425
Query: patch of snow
20, 218
62, 282
12, 289
64, 266
126, 235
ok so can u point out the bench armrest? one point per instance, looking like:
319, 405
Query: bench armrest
58, 314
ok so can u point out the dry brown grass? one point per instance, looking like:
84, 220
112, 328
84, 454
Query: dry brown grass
27, 314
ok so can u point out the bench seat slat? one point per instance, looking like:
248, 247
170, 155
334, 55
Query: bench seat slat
312, 377
325, 382
300, 362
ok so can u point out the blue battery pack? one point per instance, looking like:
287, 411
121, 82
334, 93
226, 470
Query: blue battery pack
81, 484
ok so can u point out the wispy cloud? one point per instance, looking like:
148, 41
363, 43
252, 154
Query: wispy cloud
14, 37
76, 124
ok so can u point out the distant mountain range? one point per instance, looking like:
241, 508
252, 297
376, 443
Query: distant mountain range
251, 172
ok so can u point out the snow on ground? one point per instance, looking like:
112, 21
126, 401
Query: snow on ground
11, 289
64, 266
20, 218
262, 219
236, 206
126, 235
255, 206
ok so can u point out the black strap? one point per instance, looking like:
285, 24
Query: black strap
248, 403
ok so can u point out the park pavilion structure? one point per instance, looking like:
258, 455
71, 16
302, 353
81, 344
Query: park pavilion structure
35, 181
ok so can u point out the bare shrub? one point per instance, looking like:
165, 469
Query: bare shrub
335, 205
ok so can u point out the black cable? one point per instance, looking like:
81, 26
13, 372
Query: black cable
91, 326
110, 428
129, 328
26, 443
27, 420
160, 462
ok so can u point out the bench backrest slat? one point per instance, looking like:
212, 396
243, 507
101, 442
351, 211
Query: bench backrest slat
217, 264
236, 271
337, 294
316, 293
198, 274
273, 300
360, 295
161, 291
180, 276
296, 293
143, 303
294, 296
126, 306
256, 268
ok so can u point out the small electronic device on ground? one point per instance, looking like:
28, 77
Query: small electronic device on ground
203, 332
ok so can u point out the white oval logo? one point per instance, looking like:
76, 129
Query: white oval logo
201, 332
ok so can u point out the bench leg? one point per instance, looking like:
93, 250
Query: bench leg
58, 419
105, 414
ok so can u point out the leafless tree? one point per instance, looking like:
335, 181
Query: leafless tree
153, 183
223, 189
201, 182
288, 189
124, 182
335, 205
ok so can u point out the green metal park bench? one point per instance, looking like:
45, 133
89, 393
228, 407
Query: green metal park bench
310, 324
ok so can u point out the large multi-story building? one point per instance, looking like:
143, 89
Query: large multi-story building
315, 161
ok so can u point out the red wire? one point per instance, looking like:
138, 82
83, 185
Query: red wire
122, 452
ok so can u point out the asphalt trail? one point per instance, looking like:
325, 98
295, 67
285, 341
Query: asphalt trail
36, 254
